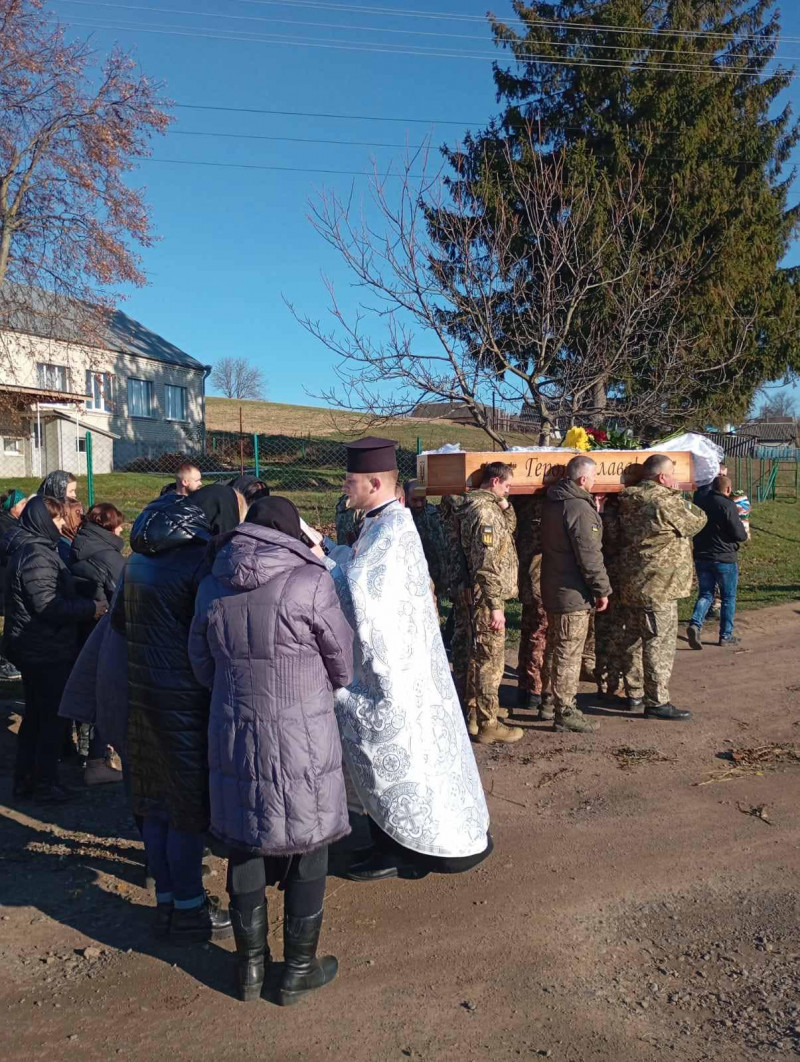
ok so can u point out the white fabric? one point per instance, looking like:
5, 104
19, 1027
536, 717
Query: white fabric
446, 448
707, 455
403, 733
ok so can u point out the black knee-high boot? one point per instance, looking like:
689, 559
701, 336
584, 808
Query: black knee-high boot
303, 971
252, 953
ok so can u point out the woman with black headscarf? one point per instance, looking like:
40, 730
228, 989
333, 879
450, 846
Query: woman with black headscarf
43, 616
168, 708
60, 485
270, 641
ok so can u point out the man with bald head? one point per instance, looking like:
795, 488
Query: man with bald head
574, 581
656, 528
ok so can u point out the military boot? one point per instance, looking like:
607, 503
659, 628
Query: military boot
471, 720
498, 733
547, 709
571, 721
666, 711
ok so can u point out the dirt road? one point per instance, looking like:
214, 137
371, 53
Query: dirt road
628, 912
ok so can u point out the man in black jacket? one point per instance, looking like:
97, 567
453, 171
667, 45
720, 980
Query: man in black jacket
715, 560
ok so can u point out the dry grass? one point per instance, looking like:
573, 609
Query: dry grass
278, 418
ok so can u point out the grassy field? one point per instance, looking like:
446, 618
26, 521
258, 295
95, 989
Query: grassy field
770, 562
277, 418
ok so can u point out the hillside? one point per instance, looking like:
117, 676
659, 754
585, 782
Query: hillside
278, 418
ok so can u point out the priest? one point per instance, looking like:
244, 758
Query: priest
403, 733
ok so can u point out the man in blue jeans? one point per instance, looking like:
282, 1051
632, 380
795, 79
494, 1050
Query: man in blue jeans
715, 559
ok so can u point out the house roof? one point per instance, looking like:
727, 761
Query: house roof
779, 430
55, 317
95, 429
40, 394
441, 410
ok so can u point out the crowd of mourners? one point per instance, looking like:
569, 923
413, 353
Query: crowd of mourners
257, 657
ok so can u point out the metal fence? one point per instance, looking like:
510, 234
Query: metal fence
285, 462
307, 468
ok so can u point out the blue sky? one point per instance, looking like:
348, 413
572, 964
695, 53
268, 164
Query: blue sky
235, 242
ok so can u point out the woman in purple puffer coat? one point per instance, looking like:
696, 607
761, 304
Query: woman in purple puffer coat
270, 641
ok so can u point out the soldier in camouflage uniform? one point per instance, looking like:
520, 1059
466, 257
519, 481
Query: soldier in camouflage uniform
487, 536
533, 625
618, 661
348, 523
451, 510
656, 531
428, 523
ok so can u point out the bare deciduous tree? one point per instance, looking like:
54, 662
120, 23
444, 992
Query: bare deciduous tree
68, 216
238, 378
779, 405
466, 305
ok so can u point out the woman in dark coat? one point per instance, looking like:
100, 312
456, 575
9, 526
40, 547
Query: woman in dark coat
96, 562
11, 505
168, 707
43, 614
270, 640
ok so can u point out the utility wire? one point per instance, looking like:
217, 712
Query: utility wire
406, 121
296, 139
730, 159
373, 29
284, 169
322, 114
312, 169
591, 27
607, 64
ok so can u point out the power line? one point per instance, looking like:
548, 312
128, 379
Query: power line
283, 169
323, 114
296, 139
591, 27
368, 29
380, 49
421, 147
312, 169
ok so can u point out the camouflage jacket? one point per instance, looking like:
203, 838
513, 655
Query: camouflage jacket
528, 508
451, 509
429, 525
656, 528
487, 536
612, 540
348, 523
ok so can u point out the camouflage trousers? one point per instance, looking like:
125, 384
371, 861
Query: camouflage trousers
618, 662
566, 638
532, 643
654, 633
588, 656
460, 645
487, 662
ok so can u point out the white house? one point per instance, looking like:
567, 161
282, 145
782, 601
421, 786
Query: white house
138, 394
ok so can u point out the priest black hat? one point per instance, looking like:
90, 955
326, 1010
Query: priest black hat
372, 455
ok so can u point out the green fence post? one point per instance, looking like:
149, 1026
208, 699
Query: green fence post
255, 456
419, 445
89, 470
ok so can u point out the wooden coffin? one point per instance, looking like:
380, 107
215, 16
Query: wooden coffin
457, 472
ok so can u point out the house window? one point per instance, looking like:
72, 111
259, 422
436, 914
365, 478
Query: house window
80, 444
12, 447
140, 398
52, 377
98, 391
175, 402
